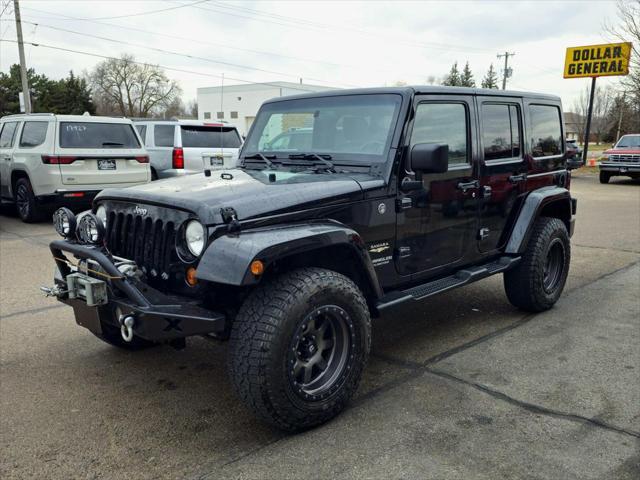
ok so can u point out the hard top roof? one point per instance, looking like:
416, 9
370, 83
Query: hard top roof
421, 90
68, 118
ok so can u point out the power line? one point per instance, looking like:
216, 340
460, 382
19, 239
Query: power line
181, 70
146, 13
185, 55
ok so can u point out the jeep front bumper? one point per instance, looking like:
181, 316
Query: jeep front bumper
108, 295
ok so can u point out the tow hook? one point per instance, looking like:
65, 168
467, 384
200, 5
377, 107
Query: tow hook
126, 327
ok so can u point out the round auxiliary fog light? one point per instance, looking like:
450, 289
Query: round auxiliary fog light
90, 229
64, 221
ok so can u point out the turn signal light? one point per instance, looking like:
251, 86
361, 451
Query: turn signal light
57, 160
142, 159
257, 268
190, 277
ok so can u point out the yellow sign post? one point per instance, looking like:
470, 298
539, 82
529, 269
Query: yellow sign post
596, 61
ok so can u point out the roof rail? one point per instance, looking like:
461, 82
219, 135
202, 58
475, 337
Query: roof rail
30, 114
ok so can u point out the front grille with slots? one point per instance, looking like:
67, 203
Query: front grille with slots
625, 157
149, 239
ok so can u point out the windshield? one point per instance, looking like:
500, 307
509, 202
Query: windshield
97, 135
209, 137
347, 127
629, 141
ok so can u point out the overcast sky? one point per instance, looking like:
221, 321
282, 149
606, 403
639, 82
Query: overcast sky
334, 43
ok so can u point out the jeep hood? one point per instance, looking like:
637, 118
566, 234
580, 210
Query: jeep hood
252, 193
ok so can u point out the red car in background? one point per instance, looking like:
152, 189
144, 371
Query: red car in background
621, 160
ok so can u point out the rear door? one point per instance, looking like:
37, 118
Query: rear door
503, 167
7, 143
210, 146
100, 153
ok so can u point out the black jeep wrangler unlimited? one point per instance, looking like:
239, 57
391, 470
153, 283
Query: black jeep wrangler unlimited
393, 195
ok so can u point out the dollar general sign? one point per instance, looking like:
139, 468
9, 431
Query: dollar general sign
597, 60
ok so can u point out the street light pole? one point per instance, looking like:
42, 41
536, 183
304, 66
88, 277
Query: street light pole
23, 63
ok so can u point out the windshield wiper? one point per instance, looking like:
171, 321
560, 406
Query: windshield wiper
260, 156
104, 144
314, 156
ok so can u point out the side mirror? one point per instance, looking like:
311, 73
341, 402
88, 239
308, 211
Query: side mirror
430, 158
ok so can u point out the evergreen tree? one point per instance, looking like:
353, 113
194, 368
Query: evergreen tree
70, 95
466, 79
453, 78
490, 80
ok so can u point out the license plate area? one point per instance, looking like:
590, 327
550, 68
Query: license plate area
106, 164
89, 289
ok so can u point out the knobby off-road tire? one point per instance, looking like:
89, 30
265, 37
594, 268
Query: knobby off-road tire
605, 177
277, 336
26, 202
536, 283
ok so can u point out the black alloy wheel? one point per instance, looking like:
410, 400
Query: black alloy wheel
319, 352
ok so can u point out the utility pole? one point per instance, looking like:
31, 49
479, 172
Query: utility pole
506, 72
23, 63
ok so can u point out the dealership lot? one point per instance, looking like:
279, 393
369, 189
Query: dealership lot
460, 386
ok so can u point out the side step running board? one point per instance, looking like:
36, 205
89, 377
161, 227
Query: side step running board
460, 278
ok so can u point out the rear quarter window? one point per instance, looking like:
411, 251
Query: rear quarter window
33, 134
546, 130
7, 134
97, 135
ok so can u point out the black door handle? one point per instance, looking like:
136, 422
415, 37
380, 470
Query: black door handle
464, 186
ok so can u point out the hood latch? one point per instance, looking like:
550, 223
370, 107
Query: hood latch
230, 217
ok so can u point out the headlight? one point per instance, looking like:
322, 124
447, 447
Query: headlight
101, 213
64, 221
194, 237
90, 229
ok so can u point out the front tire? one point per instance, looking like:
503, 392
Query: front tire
298, 347
536, 283
605, 177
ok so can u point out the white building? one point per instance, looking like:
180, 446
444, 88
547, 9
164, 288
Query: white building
238, 104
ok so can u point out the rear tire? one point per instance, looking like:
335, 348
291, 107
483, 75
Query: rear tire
605, 177
26, 202
536, 283
298, 347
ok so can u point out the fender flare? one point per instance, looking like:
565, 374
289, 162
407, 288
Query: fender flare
228, 258
556, 199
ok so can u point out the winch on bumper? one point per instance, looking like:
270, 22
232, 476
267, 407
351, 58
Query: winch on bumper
110, 293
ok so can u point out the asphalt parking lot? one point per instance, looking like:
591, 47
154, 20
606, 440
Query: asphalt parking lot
461, 386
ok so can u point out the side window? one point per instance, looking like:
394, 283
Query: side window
7, 134
33, 134
142, 130
500, 131
445, 123
546, 131
163, 135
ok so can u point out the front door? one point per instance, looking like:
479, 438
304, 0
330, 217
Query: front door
437, 223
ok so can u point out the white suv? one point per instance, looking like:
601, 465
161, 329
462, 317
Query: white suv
182, 147
50, 160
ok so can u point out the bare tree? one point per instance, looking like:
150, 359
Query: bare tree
130, 88
627, 29
602, 102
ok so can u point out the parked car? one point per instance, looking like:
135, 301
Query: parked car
294, 139
574, 154
403, 193
50, 160
623, 159
182, 147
